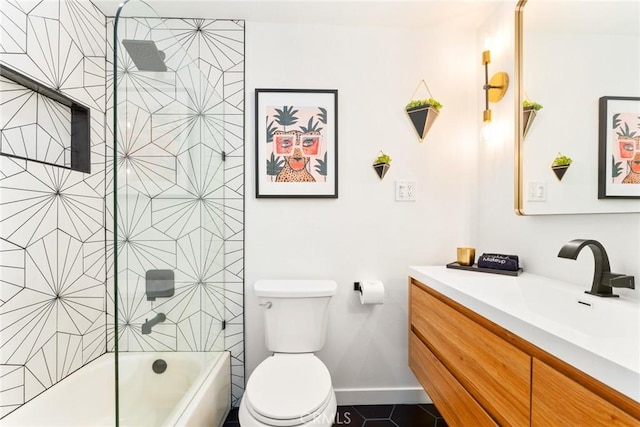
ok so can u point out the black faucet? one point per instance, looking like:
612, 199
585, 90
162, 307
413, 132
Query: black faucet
603, 279
148, 324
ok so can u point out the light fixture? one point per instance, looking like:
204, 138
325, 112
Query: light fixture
495, 88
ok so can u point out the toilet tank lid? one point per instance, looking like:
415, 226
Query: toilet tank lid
295, 288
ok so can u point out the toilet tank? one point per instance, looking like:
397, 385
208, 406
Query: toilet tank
295, 313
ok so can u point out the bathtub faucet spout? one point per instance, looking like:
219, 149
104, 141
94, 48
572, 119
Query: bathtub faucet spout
148, 324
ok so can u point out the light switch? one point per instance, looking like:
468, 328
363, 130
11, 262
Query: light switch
405, 191
537, 191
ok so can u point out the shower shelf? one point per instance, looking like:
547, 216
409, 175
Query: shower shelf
80, 118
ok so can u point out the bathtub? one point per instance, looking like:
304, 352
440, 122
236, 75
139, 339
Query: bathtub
195, 390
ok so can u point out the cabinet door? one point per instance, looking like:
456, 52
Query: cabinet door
494, 372
454, 403
560, 401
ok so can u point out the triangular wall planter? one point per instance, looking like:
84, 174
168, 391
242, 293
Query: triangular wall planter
422, 119
381, 169
528, 114
559, 171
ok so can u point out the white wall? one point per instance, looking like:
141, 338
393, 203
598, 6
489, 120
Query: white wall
537, 239
365, 233
465, 188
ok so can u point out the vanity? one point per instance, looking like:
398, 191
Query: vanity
527, 350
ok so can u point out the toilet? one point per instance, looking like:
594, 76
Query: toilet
292, 387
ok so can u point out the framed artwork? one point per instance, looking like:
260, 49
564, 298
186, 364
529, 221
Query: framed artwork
296, 143
619, 150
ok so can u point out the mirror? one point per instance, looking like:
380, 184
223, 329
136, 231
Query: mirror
569, 54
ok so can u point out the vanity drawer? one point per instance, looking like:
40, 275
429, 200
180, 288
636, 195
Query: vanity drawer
558, 400
456, 405
495, 373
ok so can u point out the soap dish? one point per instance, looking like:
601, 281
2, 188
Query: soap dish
475, 267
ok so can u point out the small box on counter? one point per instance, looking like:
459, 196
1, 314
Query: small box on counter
499, 262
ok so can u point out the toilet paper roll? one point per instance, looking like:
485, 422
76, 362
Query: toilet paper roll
371, 292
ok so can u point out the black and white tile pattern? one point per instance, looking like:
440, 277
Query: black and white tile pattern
180, 206
57, 270
52, 241
34, 126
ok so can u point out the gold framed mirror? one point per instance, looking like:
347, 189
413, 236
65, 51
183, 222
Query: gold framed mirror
568, 55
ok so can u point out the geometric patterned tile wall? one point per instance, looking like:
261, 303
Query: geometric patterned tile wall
52, 235
180, 206
33, 126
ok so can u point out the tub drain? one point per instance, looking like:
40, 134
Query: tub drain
159, 366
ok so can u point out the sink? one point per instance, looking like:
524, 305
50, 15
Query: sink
582, 313
600, 336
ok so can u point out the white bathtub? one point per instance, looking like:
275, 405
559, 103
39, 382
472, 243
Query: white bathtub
195, 390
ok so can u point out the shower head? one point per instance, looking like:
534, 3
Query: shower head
145, 55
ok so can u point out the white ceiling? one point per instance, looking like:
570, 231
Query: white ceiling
467, 14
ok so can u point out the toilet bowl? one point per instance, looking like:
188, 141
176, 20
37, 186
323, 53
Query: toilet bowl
289, 390
292, 387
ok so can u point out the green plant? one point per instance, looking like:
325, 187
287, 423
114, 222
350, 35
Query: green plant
530, 104
422, 102
321, 166
382, 159
311, 126
271, 130
561, 160
274, 165
286, 116
616, 167
623, 127
322, 115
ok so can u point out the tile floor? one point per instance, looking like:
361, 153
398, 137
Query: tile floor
376, 416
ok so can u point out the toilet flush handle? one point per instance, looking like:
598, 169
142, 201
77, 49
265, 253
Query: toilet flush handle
266, 304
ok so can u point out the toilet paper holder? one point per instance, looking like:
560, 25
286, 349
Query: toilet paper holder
371, 291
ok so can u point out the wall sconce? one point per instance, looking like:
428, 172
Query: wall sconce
495, 88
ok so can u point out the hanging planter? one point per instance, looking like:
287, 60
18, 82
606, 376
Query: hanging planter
560, 165
382, 164
529, 112
423, 112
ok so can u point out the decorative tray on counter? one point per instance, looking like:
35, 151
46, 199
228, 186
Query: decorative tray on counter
475, 267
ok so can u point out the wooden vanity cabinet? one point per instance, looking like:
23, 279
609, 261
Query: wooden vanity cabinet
559, 401
479, 374
455, 404
493, 372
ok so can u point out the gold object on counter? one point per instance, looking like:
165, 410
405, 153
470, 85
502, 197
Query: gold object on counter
466, 256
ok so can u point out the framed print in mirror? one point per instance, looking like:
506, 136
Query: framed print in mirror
296, 143
619, 151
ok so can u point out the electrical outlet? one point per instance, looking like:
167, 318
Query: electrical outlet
537, 192
411, 191
405, 191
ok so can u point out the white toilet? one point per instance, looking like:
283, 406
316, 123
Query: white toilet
292, 387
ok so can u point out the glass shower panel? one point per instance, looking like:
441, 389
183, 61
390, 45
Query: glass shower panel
169, 176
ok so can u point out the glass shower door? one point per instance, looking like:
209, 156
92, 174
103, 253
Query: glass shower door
168, 211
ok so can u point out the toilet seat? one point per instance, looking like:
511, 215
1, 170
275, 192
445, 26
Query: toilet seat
288, 390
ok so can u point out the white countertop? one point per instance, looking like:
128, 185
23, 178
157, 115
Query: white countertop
602, 340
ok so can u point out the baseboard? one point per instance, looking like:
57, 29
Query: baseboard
381, 396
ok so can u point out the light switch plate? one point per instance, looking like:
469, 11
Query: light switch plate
405, 191
537, 191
